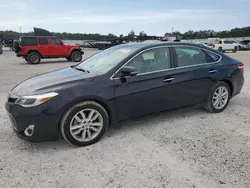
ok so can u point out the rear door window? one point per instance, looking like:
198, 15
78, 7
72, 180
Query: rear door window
43, 42
212, 57
188, 56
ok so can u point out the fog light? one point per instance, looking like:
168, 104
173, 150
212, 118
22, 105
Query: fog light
29, 130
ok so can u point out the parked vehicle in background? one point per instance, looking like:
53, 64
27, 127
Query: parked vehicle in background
238, 44
35, 48
225, 45
245, 45
1, 48
125, 81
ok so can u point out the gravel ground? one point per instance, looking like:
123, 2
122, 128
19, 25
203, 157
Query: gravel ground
187, 148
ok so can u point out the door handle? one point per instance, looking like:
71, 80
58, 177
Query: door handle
168, 79
212, 71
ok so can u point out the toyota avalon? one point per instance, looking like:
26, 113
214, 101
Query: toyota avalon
80, 102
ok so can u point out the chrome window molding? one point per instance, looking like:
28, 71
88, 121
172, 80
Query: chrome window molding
174, 68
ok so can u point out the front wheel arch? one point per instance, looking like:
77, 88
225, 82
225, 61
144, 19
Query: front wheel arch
65, 123
74, 102
75, 50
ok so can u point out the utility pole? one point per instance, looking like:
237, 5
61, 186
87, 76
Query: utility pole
172, 30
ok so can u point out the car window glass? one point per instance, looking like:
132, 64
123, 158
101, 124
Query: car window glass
55, 42
212, 57
43, 41
29, 41
151, 60
107, 59
187, 56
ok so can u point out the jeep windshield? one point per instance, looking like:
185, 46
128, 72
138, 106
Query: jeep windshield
104, 61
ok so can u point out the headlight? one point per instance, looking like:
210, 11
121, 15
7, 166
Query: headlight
35, 100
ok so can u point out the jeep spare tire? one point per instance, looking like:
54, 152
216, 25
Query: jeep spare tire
34, 58
76, 56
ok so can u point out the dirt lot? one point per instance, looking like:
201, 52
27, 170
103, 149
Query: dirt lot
179, 149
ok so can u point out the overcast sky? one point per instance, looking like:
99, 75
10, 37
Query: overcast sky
155, 17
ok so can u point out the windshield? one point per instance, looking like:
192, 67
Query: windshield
104, 61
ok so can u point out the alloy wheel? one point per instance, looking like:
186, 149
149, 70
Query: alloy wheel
220, 97
86, 125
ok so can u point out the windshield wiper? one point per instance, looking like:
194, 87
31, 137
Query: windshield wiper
80, 69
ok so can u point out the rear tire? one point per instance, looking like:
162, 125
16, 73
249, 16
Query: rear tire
76, 56
34, 58
220, 49
80, 128
235, 49
218, 98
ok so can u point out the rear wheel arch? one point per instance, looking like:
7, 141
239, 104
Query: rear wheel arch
35, 51
230, 84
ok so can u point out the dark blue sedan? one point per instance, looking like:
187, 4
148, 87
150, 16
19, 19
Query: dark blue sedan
80, 102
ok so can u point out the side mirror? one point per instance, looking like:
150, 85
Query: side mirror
128, 71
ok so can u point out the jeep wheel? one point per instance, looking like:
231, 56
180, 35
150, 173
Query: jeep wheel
76, 56
220, 49
34, 58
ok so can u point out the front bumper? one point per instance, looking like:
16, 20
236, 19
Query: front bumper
45, 125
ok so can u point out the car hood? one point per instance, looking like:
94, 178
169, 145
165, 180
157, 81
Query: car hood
52, 81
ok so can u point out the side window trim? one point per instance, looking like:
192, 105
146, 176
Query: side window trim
171, 62
202, 49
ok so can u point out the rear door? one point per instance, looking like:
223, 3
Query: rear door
194, 74
44, 47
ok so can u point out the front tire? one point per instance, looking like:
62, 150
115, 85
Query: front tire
76, 56
84, 123
34, 58
218, 98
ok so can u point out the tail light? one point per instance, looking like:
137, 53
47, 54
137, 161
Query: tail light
241, 67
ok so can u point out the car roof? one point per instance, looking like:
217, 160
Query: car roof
38, 37
158, 43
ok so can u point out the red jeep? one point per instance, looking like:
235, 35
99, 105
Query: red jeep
35, 48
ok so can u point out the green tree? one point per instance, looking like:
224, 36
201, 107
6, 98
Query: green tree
142, 34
